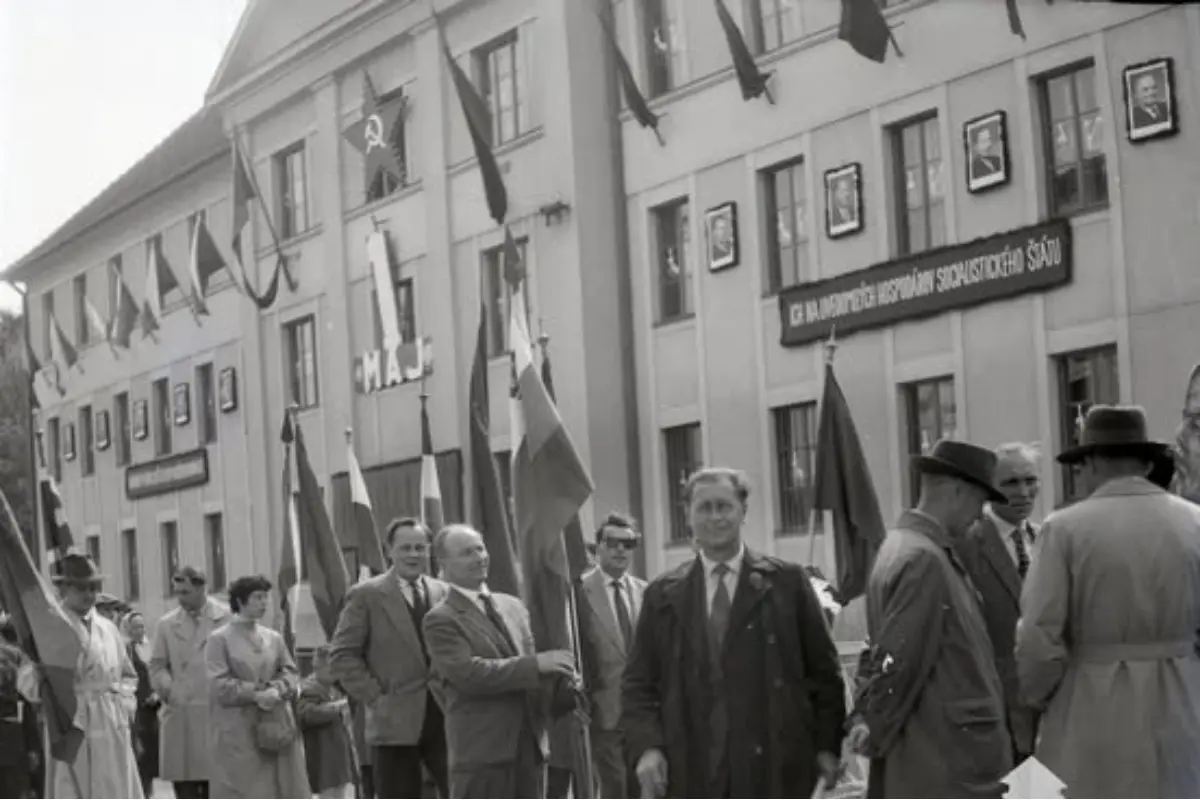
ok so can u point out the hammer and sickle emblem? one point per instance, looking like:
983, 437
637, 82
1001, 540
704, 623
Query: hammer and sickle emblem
373, 133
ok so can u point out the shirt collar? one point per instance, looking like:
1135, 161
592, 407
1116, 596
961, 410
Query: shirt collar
474, 596
405, 581
1003, 526
734, 564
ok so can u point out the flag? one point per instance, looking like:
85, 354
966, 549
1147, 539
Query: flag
54, 520
1014, 19
48, 636
752, 82
375, 134
206, 261
325, 567
864, 27
126, 316
844, 487
431, 486
152, 301
62, 352
95, 321
491, 513
479, 126
290, 549
577, 556
243, 193
366, 534
634, 99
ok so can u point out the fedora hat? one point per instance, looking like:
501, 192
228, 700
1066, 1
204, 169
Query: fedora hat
965, 461
76, 569
1118, 431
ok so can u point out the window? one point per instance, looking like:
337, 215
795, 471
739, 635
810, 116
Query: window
93, 549
292, 191
206, 401
1073, 129
116, 274
384, 183
503, 83
169, 535
87, 444
54, 448
214, 543
775, 23
504, 470
920, 186
795, 464
300, 338
683, 458
121, 422
162, 417
499, 296
133, 575
787, 215
1085, 379
662, 34
47, 318
406, 310
82, 329
931, 415
672, 237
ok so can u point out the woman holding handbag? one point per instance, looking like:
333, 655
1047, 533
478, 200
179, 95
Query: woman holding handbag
254, 740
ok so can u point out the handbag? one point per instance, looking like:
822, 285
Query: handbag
276, 729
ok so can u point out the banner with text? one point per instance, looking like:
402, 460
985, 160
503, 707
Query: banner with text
1007, 264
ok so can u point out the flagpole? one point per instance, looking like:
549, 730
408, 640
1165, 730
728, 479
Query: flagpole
262, 202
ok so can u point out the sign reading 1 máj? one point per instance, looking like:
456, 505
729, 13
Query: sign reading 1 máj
1007, 264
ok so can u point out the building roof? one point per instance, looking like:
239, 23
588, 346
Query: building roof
197, 141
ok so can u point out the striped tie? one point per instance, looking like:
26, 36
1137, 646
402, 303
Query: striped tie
1018, 537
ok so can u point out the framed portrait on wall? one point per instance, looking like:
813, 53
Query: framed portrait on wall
103, 433
985, 140
1150, 111
182, 403
141, 427
721, 236
228, 397
843, 201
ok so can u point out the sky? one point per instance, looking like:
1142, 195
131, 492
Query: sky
88, 87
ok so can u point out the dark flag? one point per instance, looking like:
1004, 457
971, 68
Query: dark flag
245, 189
1014, 19
752, 82
479, 126
243, 193
491, 513
577, 556
865, 28
844, 487
326, 569
126, 317
375, 134
289, 551
634, 99
54, 521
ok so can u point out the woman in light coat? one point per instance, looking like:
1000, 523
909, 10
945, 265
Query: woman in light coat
250, 671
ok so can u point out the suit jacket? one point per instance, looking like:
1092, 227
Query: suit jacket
607, 649
985, 166
1142, 117
491, 694
994, 574
376, 655
780, 679
932, 698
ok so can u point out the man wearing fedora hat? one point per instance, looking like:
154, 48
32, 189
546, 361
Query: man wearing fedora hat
1107, 642
105, 686
930, 709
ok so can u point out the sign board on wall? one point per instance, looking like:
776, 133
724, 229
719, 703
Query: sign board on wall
1007, 264
383, 368
179, 471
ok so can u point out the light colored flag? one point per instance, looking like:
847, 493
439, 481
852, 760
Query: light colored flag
370, 552
431, 487
96, 321
62, 352
152, 301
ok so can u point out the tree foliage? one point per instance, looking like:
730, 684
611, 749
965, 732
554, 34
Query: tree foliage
15, 456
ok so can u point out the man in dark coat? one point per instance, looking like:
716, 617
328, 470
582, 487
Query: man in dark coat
931, 702
733, 687
997, 552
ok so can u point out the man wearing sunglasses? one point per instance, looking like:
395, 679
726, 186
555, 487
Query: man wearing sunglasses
612, 600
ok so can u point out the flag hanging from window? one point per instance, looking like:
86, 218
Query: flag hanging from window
206, 261
752, 82
243, 193
865, 28
634, 99
152, 301
1014, 19
245, 189
126, 317
362, 516
62, 352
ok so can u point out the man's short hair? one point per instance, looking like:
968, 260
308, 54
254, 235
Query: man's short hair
1030, 451
439, 541
616, 519
406, 522
190, 575
735, 477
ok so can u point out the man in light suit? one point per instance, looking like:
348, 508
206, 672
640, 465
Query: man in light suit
612, 600
491, 683
997, 553
379, 655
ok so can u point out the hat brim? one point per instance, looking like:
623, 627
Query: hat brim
936, 466
95, 580
1152, 451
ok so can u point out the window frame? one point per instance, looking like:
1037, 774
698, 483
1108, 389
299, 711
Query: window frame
163, 416
794, 169
216, 557
295, 369
757, 12
406, 313
904, 235
294, 217
1043, 81
47, 319
680, 442
912, 422
93, 548
133, 572
499, 295
87, 441
83, 328
54, 447
1106, 356
679, 213
169, 547
489, 89
122, 433
206, 402
665, 72
795, 501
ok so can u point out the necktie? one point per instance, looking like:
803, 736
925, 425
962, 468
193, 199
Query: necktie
1018, 537
417, 610
622, 613
718, 615
493, 614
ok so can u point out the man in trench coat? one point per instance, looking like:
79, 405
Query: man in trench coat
930, 704
178, 674
1107, 642
733, 687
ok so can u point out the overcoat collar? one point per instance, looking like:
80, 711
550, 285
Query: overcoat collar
1127, 487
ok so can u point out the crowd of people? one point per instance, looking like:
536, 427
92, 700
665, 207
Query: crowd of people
992, 640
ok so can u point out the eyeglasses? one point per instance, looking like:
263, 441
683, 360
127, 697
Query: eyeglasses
621, 544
